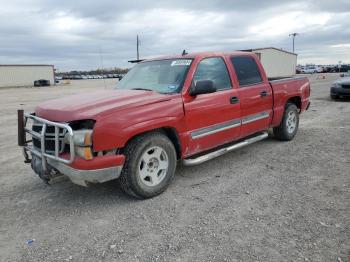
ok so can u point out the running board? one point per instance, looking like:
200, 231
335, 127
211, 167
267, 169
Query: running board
209, 156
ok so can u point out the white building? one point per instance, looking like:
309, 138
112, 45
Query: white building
277, 62
25, 75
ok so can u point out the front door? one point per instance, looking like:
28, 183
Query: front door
212, 119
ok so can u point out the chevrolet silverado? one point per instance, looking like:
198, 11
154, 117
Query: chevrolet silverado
189, 108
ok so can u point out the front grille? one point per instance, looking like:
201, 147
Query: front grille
49, 138
346, 86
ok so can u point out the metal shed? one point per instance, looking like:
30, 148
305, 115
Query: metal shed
278, 63
25, 75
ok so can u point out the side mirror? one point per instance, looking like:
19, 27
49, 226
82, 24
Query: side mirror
203, 87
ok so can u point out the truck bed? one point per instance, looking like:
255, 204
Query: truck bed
273, 79
291, 87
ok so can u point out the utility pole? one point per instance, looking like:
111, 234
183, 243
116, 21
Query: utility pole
293, 35
137, 47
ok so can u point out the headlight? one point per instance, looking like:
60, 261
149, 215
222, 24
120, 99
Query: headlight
82, 137
336, 84
82, 143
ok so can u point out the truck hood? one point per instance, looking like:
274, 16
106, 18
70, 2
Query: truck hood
96, 104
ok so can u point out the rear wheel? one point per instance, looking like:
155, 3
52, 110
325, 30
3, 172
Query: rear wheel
149, 166
289, 124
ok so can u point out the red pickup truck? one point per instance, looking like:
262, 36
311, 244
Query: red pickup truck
192, 108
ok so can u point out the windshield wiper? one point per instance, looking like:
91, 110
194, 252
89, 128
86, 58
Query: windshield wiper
146, 89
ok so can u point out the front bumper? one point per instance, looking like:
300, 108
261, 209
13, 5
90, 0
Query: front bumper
98, 170
340, 91
85, 177
82, 172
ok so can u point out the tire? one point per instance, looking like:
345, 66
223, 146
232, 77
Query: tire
150, 163
289, 124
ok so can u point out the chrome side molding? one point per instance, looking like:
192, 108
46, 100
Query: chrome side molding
209, 130
221, 151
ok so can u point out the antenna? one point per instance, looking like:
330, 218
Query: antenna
101, 59
184, 52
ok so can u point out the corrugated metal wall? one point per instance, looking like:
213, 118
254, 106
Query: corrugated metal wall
25, 75
277, 63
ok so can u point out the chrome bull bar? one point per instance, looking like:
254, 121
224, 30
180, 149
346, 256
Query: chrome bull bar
42, 153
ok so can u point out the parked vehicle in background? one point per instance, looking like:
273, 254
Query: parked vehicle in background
319, 69
42, 82
120, 76
309, 70
328, 69
340, 88
345, 74
76, 77
192, 108
344, 68
58, 79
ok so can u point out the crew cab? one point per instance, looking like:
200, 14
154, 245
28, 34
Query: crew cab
190, 108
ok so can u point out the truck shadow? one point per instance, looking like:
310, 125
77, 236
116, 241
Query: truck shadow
65, 193
108, 191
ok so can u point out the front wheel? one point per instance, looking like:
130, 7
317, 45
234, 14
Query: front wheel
149, 165
289, 124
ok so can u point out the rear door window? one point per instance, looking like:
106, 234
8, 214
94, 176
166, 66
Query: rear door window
247, 70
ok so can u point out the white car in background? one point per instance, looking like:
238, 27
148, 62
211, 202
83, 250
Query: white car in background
310, 70
320, 69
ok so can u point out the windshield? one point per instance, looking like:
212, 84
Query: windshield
162, 76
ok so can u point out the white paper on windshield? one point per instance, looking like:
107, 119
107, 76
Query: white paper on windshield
181, 62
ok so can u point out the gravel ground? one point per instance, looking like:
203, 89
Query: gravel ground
271, 201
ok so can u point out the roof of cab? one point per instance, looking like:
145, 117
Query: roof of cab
198, 55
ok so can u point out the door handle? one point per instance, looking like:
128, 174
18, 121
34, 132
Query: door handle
264, 93
234, 100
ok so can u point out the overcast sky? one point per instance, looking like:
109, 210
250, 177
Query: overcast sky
70, 34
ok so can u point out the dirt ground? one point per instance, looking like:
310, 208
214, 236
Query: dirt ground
270, 201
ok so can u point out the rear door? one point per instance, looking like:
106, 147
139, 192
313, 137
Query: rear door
212, 119
255, 95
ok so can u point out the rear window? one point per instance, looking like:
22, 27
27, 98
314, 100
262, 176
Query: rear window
247, 70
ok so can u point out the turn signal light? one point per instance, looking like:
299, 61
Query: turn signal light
84, 152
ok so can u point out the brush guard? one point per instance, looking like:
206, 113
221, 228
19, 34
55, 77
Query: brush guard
42, 153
